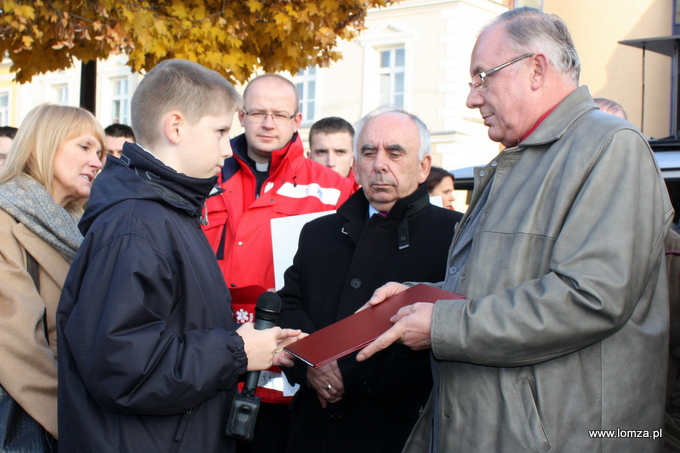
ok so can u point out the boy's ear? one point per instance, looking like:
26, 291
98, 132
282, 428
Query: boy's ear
172, 124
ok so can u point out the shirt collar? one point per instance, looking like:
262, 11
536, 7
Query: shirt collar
540, 120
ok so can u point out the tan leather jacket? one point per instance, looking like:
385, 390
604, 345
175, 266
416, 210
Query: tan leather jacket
671, 434
28, 366
566, 326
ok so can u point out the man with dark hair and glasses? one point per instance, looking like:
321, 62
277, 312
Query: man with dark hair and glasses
562, 342
267, 177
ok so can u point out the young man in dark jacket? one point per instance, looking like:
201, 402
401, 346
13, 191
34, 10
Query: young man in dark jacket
149, 356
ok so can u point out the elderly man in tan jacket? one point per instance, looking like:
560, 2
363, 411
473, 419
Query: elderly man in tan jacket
561, 344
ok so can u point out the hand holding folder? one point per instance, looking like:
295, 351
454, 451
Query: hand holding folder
358, 330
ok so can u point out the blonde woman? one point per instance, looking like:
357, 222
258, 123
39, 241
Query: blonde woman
43, 186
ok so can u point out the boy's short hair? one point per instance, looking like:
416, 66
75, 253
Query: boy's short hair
330, 125
119, 130
182, 85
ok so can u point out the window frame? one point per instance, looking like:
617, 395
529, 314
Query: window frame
391, 36
5, 110
304, 78
61, 93
392, 71
124, 98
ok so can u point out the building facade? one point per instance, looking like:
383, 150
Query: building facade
416, 54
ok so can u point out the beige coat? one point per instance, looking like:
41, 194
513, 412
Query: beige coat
28, 365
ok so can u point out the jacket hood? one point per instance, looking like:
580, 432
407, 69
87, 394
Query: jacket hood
138, 174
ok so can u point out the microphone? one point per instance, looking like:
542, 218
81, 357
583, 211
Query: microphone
267, 311
244, 407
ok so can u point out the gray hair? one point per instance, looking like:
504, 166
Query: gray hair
533, 31
423, 133
609, 106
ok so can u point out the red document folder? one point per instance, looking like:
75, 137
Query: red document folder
356, 331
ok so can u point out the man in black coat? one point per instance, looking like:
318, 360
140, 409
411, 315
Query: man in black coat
386, 231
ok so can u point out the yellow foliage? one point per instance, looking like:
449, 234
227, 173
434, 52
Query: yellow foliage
234, 37
254, 5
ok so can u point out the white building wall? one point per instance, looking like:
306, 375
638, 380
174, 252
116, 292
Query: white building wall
42, 88
438, 36
107, 71
470, 145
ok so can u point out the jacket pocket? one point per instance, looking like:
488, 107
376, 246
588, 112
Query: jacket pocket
533, 426
181, 430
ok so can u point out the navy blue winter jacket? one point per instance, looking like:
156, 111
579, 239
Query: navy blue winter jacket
148, 356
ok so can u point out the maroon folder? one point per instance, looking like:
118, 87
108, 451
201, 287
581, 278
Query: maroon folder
356, 331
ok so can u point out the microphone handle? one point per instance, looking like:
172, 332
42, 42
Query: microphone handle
262, 324
250, 384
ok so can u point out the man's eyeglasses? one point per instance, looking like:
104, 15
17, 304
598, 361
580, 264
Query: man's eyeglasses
479, 80
260, 117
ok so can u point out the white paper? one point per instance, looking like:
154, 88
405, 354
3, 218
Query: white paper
285, 236
437, 201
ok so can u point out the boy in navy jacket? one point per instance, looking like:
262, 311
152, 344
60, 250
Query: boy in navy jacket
149, 355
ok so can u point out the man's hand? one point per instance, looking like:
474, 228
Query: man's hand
413, 325
327, 381
382, 293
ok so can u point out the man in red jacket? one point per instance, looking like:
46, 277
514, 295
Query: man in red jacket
268, 177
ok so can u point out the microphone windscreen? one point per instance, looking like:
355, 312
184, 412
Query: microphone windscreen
268, 302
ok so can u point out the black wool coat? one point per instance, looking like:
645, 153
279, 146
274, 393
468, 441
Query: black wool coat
341, 259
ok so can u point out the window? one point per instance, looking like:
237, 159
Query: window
120, 108
305, 82
61, 94
676, 17
392, 72
388, 67
538, 4
4, 109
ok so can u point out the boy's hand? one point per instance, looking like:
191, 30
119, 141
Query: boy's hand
260, 345
287, 336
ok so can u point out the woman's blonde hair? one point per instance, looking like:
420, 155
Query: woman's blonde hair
41, 136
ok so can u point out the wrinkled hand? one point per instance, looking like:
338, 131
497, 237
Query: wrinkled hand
287, 337
259, 345
327, 381
382, 293
412, 327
